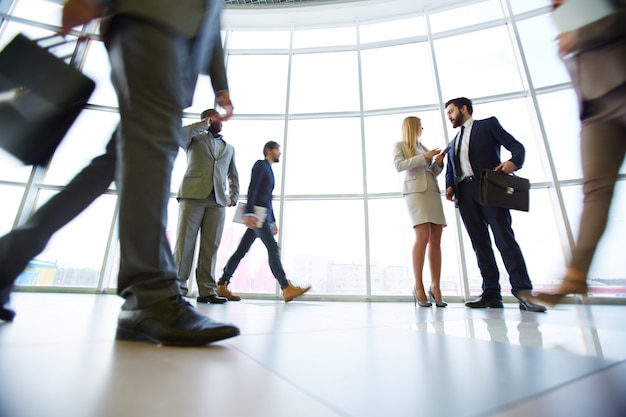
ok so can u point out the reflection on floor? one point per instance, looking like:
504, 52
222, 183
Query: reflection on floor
318, 359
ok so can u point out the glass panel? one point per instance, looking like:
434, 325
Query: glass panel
516, 117
466, 16
405, 68
559, 111
263, 39
324, 83
396, 29
43, 11
268, 81
253, 275
324, 163
521, 6
11, 199
381, 133
608, 269
391, 244
98, 68
12, 169
477, 72
248, 137
324, 245
74, 255
203, 96
312, 38
545, 66
11, 29
85, 140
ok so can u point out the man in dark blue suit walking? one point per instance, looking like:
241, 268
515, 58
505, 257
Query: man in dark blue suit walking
476, 147
260, 194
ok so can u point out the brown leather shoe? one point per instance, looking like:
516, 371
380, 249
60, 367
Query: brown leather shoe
223, 291
291, 291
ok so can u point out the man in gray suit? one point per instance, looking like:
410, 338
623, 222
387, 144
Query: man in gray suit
156, 54
202, 197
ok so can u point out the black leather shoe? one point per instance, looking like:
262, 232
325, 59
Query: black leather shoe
485, 301
212, 298
172, 321
6, 314
525, 303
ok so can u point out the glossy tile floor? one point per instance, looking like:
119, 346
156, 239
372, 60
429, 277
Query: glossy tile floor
318, 359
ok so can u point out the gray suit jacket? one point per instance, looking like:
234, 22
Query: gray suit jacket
183, 18
599, 64
207, 171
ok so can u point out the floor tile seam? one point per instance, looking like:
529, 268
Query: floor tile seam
44, 344
288, 381
548, 391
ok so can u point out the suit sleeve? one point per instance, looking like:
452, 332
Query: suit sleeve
403, 163
233, 179
256, 181
504, 138
217, 71
189, 131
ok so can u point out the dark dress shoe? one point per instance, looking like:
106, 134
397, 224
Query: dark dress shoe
212, 298
524, 297
485, 301
172, 321
6, 314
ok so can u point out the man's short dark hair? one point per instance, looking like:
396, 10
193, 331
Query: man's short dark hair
207, 113
269, 146
460, 102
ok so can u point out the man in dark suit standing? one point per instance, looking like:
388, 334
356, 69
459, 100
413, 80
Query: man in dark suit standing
476, 147
260, 194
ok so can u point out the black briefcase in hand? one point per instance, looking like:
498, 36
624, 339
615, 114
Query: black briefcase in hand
504, 190
40, 98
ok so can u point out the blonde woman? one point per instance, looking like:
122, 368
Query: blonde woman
423, 199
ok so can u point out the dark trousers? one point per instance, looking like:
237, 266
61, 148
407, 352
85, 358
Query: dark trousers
273, 253
22, 244
477, 220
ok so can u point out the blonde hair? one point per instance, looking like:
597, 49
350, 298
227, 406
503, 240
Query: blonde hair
410, 133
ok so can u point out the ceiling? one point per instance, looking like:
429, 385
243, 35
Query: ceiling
261, 3
284, 13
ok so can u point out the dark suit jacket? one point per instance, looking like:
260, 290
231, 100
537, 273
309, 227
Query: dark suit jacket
486, 140
261, 188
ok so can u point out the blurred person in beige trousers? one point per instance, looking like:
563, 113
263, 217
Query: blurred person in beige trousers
595, 56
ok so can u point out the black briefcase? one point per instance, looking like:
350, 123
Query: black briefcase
40, 97
504, 190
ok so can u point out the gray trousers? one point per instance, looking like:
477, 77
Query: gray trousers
603, 146
150, 73
207, 217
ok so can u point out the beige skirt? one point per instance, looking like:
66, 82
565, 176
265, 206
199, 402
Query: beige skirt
426, 207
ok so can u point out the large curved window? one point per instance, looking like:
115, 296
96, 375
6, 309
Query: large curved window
333, 92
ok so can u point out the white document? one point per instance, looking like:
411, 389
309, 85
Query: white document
576, 13
259, 211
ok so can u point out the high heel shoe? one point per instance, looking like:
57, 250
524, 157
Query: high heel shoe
574, 282
417, 302
434, 300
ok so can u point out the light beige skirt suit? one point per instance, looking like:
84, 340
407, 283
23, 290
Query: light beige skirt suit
420, 188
